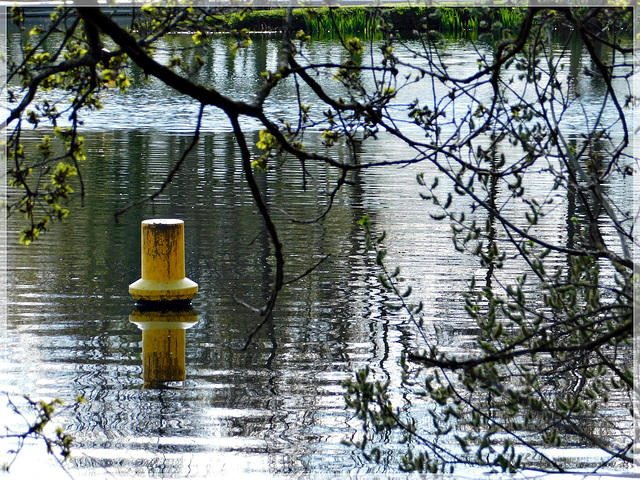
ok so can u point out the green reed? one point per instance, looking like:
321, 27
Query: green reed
328, 20
460, 20
457, 21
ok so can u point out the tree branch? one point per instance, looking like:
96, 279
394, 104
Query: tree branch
278, 283
129, 45
172, 173
507, 355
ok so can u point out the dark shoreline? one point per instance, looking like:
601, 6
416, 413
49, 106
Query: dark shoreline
457, 20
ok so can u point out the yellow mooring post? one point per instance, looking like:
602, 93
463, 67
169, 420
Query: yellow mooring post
163, 275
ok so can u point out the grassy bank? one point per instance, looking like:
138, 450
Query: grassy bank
365, 20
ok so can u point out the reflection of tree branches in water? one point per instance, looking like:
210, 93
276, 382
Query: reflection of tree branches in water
518, 100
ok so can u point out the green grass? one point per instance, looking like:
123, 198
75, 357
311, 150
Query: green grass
365, 20
343, 20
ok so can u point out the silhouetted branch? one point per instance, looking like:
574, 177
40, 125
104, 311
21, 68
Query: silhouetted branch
172, 173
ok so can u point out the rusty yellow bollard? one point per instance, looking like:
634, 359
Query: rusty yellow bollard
163, 344
163, 274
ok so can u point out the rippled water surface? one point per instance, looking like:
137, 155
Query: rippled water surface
274, 409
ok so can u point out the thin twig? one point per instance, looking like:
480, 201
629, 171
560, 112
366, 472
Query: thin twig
172, 173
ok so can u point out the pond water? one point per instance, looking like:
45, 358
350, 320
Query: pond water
276, 408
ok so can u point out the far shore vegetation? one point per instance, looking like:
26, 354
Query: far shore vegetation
365, 20
458, 21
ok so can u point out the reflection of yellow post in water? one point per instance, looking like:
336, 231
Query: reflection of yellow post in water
163, 344
163, 274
